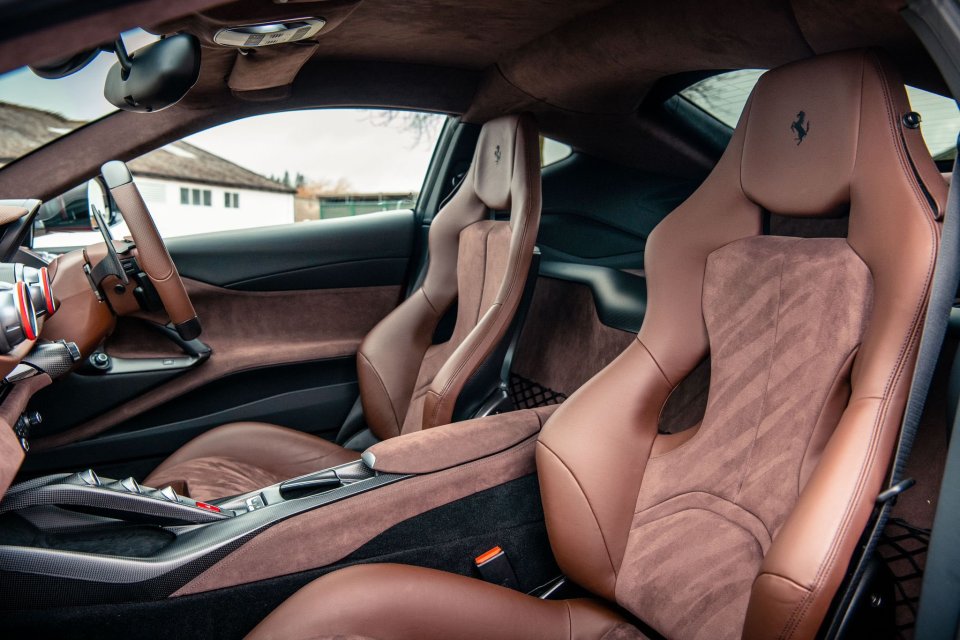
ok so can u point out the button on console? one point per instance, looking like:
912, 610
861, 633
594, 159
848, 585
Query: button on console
89, 477
130, 485
254, 503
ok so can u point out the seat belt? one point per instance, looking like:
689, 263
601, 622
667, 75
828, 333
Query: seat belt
943, 294
939, 614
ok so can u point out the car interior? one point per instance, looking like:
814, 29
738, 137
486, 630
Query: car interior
655, 338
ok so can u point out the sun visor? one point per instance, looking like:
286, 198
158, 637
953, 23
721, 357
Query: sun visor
268, 73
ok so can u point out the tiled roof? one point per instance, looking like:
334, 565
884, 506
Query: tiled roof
23, 129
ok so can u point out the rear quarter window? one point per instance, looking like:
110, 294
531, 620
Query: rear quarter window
724, 95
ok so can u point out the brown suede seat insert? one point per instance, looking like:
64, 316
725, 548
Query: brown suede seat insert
784, 317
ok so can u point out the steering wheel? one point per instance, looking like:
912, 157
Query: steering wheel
152, 254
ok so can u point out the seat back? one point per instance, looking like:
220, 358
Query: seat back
406, 382
746, 523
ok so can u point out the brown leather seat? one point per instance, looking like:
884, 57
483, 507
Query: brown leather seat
406, 382
746, 524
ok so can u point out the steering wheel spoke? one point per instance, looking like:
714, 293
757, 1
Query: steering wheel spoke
152, 254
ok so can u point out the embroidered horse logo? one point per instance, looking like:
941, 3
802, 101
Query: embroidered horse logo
496, 153
798, 127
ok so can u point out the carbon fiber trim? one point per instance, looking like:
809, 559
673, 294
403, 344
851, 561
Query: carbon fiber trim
110, 501
57, 520
86, 578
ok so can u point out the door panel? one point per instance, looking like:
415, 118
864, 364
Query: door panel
367, 250
244, 330
311, 396
283, 318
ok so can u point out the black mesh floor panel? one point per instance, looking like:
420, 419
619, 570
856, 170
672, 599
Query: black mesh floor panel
904, 548
527, 394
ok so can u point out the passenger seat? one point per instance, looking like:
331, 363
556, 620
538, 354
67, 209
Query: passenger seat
407, 383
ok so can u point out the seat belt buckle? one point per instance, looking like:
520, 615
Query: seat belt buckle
890, 495
494, 566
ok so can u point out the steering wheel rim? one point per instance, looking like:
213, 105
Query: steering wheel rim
152, 254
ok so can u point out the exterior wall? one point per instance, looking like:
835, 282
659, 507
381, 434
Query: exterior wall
257, 208
347, 205
307, 208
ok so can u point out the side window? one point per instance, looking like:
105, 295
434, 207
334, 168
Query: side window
724, 95
553, 151
286, 168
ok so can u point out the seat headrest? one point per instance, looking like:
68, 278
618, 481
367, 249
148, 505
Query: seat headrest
804, 124
496, 159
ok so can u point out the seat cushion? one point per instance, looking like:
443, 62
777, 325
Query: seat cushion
398, 602
244, 456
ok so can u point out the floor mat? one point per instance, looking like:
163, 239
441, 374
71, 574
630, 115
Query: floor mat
527, 394
904, 548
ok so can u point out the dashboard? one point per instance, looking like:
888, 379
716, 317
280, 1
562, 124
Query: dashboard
55, 312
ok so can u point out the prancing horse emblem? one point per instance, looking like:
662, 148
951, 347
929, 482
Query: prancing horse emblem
798, 127
496, 152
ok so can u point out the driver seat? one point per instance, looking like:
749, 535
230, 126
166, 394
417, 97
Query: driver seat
407, 383
744, 525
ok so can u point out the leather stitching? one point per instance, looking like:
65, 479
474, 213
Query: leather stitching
485, 344
906, 348
393, 409
593, 513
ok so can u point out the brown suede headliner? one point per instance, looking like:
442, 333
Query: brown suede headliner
582, 67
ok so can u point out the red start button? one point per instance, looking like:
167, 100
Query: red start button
208, 507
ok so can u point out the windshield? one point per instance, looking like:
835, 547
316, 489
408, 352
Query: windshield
35, 111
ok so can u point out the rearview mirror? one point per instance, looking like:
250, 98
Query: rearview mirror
154, 77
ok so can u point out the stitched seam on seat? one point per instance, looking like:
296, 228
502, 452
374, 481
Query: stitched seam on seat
712, 495
393, 409
803, 606
823, 407
442, 394
528, 206
659, 368
828, 563
566, 605
603, 539
483, 275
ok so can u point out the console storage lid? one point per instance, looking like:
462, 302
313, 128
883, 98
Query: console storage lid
454, 444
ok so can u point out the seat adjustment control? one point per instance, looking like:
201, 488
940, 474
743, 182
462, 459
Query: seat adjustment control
24, 424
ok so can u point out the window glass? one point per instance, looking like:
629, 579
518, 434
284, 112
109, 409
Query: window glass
285, 168
552, 151
35, 111
724, 95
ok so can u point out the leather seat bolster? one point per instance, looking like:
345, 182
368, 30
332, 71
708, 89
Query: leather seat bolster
609, 423
504, 174
455, 444
889, 206
396, 602
387, 364
254, 455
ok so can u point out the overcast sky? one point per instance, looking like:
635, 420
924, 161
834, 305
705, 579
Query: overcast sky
327, 145
324, 145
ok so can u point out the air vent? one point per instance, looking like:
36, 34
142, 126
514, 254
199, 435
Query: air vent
264, 35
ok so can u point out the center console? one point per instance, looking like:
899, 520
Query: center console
81, 540
64, 530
